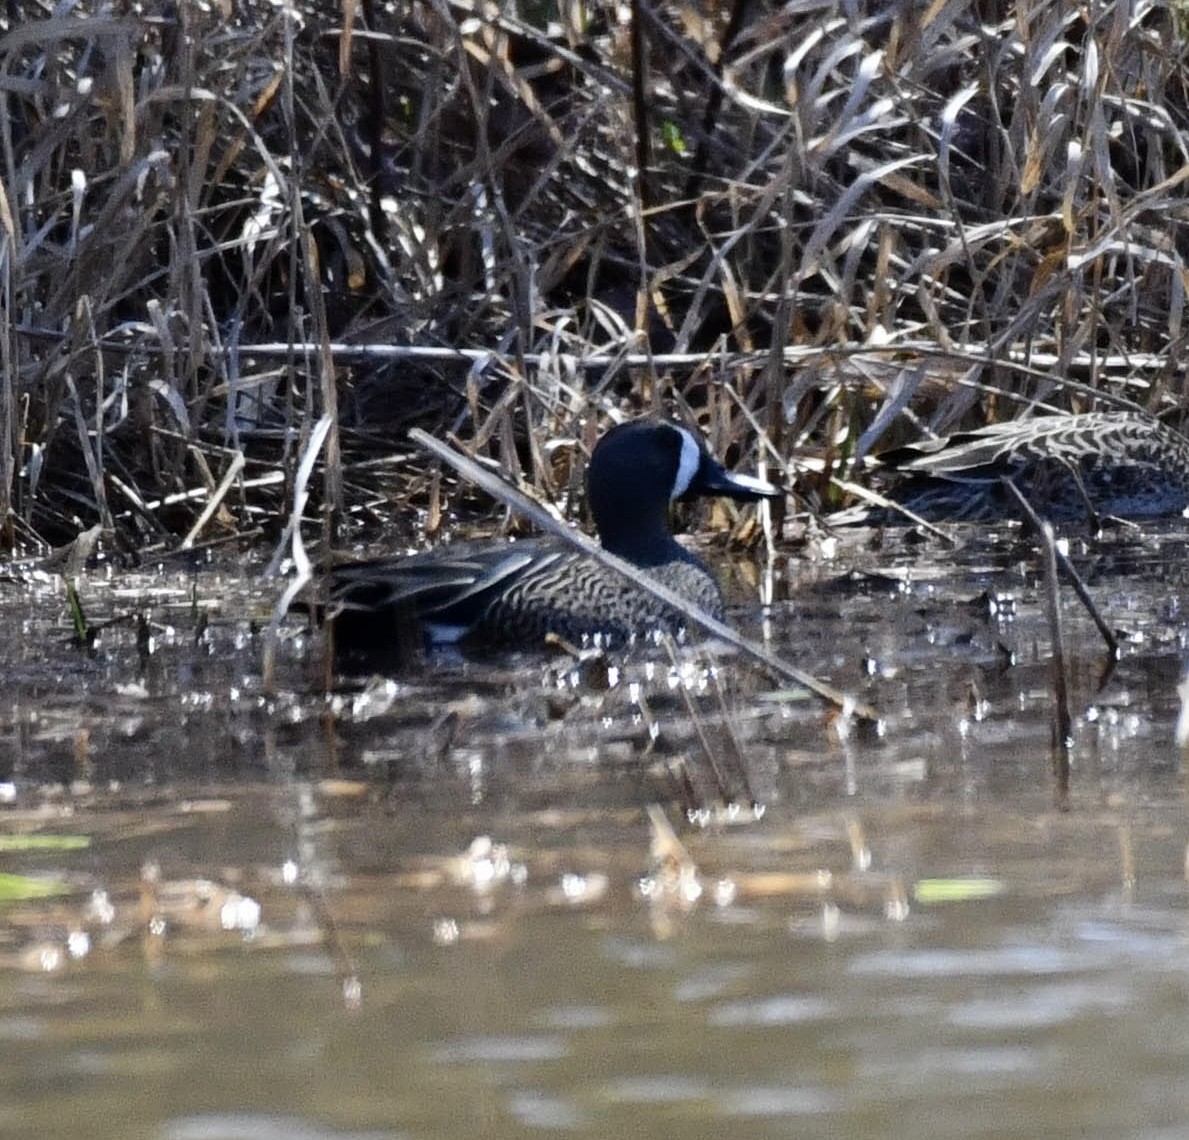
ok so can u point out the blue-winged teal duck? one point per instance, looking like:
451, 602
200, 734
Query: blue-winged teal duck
1067, 466
514, 593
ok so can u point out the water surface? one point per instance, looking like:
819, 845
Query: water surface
449, 903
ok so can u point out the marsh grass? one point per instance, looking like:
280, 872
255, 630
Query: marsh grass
231, 228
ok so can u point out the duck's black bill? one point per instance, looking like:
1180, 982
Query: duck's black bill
714, 479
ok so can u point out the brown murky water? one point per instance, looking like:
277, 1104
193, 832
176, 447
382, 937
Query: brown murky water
439, 906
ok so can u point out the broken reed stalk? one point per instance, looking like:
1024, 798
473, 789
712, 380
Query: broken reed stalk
498, 489
1067, 568
873, 499
1062, 721
303, 571
736, 747
346, 968
727, 793
215, 501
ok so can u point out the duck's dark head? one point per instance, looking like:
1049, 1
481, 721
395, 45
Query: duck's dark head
640, 467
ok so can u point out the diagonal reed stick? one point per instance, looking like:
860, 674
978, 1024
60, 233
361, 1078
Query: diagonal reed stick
505, 493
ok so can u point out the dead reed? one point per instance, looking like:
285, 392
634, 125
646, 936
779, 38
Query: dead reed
849, 217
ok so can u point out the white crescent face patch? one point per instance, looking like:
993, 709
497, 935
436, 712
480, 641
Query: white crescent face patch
687, 465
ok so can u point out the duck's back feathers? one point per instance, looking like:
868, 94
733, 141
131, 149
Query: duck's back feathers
1067, 466
510, 594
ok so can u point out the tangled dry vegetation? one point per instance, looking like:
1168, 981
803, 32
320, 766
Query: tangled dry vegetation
239, 235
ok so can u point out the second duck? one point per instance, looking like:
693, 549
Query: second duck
1069, 467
